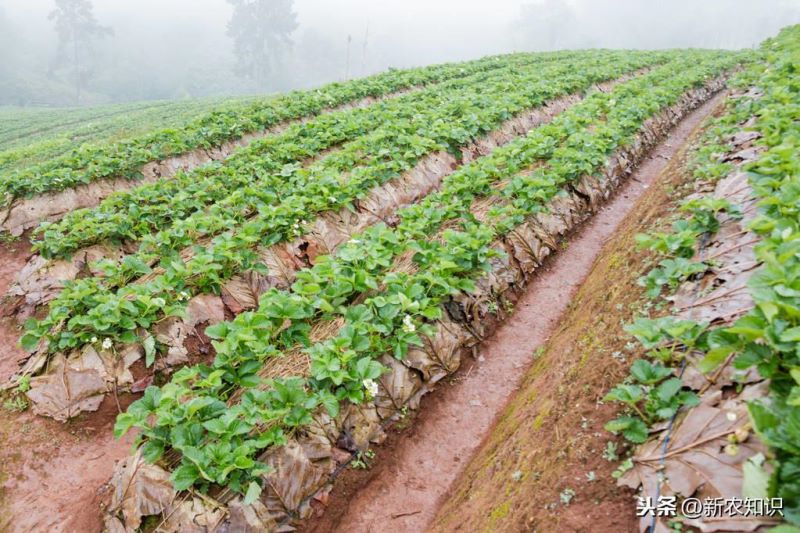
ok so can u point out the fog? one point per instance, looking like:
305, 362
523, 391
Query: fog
170, 49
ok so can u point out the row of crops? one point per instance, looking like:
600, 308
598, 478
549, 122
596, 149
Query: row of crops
90, 162
198, 253
269, 168
32, 136
383, 292
758, 333
28, 125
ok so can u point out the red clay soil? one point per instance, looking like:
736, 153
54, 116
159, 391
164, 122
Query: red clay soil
51, 474
13, 256
415, 471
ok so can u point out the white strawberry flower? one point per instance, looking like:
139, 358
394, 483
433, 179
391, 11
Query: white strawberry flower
107, 343
94, 339
371, 386
408, 324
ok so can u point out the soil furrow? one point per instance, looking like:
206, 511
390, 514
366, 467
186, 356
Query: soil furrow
413, 473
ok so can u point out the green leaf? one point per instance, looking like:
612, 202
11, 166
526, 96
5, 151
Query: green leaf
791, 335
217, 331
184, 476
714, 358
136, 265
152, 450
628, 394
243, 462
330, 402
125, 421
756, 479
785, 528
648, 373
252, 494
216, 425
668, 389
149, 345
632, 428
29, 342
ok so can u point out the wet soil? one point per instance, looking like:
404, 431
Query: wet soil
51, 474
13, 256
551, 438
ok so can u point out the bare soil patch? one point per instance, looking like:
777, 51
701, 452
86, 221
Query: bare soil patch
51, 474
13, 256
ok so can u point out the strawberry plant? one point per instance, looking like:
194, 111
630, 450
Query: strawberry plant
88, 163
232, 252
768, 336
394, 309
652, 395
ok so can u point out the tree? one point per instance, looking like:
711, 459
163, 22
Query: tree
77, 30
261, 31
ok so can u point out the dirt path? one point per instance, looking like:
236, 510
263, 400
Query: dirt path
51, 474
413, 473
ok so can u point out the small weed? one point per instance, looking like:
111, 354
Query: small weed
610, 453
17, 403
362, 459
566, 496
626, 465
7, 238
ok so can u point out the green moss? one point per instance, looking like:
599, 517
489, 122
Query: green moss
500, 512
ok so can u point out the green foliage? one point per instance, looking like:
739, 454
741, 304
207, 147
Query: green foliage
652, 333
670, 273
125, 158
237, 413
651, 395
768, 336
90, 307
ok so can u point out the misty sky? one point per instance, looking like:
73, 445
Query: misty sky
159, 41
